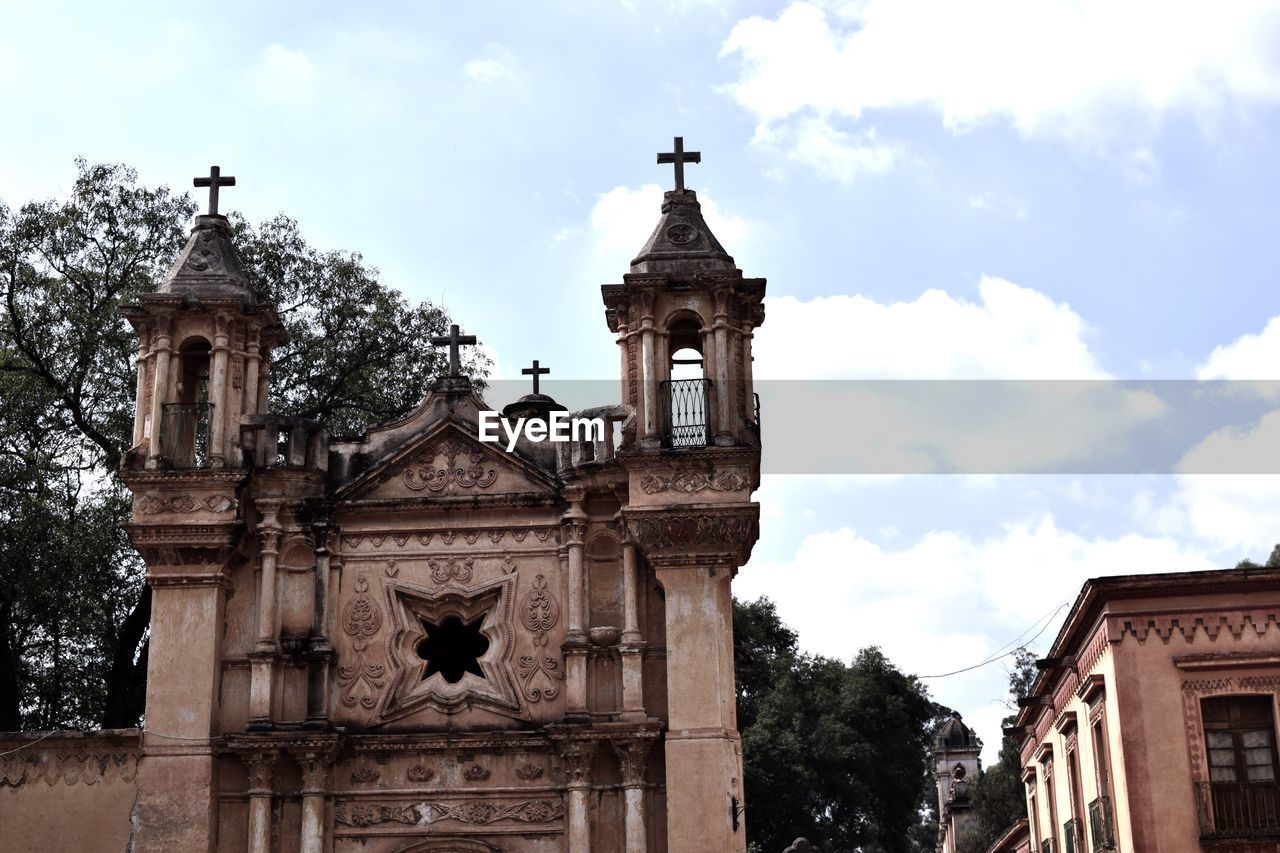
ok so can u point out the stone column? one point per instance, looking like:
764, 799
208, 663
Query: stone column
703, 754
262, 765
262, 659
650, 428
159, 387
633, 644
577, 758
140, 395
218, 395
575, 641
724, 370
320, 652
315, 764
632, 754
711, 373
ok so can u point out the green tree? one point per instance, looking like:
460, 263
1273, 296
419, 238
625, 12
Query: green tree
1273, 561
997, 794
66, 267
834, 752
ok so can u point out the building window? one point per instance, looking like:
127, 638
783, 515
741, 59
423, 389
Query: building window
1241, 795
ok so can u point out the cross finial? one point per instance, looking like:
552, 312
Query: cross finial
214, 181
453, 341
535, 372
680, 157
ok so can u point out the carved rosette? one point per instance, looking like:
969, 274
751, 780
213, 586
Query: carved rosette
692, 482
427, 813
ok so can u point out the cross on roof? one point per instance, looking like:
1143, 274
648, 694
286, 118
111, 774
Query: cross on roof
680, 157
535, 372
214, 181
453, 341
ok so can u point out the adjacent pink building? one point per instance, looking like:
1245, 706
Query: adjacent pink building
1152, 725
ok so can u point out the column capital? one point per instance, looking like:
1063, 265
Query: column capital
633, 753
709, 536
577, 756
261, 763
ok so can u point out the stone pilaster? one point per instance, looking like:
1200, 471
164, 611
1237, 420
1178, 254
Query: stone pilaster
632, 755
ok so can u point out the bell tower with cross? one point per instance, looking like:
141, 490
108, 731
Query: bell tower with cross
684, 316
205, 345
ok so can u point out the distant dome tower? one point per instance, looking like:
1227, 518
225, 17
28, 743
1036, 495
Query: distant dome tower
957, 761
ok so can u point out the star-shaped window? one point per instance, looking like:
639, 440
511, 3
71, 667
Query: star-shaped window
453, 648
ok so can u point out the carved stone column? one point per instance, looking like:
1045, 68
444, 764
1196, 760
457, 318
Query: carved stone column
632, 754
218, 395
577, 757
725, 427
139, 406
262, 659
315, 762
262, 765
694, 555
575, 642
633, 644
650, 429
162, 344
320, 651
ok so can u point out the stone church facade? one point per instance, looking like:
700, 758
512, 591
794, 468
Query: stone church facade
412, 640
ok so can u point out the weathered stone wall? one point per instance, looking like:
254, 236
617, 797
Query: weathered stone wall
67, 790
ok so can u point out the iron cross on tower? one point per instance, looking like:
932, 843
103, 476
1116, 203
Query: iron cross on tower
214, 181
535, 372
453, 341
680, 157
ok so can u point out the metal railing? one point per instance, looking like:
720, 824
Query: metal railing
1101, 827
184, 434
1238, 809
686, 411
1072, 841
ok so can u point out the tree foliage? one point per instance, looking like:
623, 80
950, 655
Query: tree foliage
835, 752
73, 608
997, 794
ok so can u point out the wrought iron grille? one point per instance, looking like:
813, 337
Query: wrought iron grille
1072, 842
184, 434
1100, 826
1238, 809
686, 406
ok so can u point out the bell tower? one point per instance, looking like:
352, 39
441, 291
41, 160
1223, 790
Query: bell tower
203, 354
684, 318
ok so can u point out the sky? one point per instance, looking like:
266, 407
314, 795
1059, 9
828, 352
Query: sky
999, 189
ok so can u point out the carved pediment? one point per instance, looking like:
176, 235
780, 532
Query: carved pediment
449, 461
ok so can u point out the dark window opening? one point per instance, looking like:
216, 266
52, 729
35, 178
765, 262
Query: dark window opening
453, 648
1242, 795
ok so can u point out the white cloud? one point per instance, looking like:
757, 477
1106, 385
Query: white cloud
834, 154
623, 218
1012, 333
946, 600
1086, 70
281, 74
1247, 357
496, 65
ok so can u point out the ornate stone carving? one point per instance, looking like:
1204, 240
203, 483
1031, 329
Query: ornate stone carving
427, 812
540, 674
530, 771
85, 765
470, 473
418, 773
691, 482
365, 775
538, 610
152, 503
412, 607
684, 531
361, 682
445, 570
632, 754
476, 773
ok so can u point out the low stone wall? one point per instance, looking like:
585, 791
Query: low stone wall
67, 790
